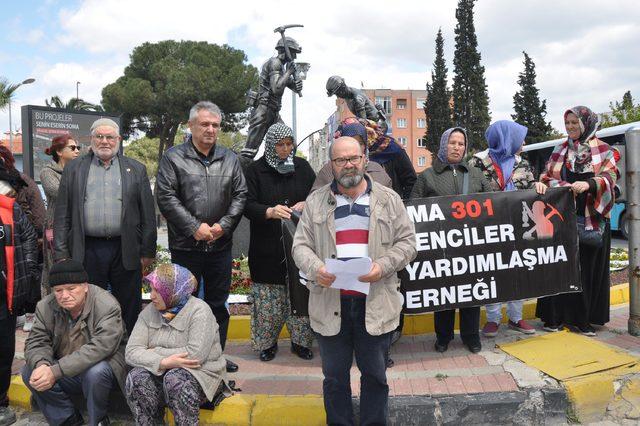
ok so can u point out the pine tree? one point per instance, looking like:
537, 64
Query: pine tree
529, 111
470, 98
622, 113
437, 106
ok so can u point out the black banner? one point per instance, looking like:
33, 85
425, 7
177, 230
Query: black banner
493, 247
298, 292
480, 248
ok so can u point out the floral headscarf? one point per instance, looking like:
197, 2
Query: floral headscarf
382, 147
579, 154
353, 127
275, 134
444, 142
505, 138
174, 284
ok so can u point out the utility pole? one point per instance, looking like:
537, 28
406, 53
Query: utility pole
632, 158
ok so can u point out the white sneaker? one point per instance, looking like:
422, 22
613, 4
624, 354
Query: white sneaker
20, 321
28, 322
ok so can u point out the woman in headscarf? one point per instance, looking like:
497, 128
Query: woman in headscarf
175, 352
354, 128
505, 170
384, 150
586, 165
277, 185
446, 177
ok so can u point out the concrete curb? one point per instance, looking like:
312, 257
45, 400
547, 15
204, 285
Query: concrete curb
528, 406
240, 327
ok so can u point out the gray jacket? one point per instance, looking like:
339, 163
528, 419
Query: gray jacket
193, 330
443, 179
50, 176
190, 193
103, 331
392, 244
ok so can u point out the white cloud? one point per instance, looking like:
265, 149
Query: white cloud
584, 55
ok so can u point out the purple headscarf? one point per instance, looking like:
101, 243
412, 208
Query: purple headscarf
444, 141
505, 139
174, 284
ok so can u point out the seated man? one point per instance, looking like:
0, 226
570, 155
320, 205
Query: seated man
76, 346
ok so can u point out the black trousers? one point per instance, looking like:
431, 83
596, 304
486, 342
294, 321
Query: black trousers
7, 349
469, 324
337, 354
215, 269
103, 262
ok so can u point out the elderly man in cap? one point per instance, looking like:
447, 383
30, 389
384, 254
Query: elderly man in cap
76, 346
105, 218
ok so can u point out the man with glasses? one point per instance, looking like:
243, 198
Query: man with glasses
201, 192
105, 218
354, 217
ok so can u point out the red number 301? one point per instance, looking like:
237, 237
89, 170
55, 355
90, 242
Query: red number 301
471, 208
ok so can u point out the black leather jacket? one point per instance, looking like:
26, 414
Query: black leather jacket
190, 193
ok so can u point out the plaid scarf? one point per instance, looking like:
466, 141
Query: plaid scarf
605, 175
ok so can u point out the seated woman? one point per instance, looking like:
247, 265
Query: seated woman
175, 351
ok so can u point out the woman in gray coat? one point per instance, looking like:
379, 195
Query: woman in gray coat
175, 351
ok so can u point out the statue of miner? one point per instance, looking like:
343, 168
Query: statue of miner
277, 74
358, 103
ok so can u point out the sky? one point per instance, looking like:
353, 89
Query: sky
586, 53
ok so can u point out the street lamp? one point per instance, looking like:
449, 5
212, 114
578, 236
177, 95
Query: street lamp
77, 91
27, 81
303, 68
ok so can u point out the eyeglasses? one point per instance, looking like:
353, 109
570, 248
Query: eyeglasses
342, 161
74, 147
108, 138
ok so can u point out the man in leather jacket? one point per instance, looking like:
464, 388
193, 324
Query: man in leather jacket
201, 192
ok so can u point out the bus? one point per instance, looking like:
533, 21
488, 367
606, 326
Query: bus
539, 153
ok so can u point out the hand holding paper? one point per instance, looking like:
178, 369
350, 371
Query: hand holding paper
375, 274
348, 272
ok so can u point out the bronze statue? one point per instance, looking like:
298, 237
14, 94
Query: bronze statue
276, 75
358, 103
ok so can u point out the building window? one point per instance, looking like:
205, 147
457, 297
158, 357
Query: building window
402, 104
422, 161
422, 123
385, 102
420, 103
403, 141
402, 123
421, 143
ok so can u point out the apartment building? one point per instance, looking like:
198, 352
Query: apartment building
406, 118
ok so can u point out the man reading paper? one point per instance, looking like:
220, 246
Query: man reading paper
350, 218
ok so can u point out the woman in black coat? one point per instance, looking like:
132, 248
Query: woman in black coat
278, 183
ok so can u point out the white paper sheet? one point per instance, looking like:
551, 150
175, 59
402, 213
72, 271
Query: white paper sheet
347, 273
